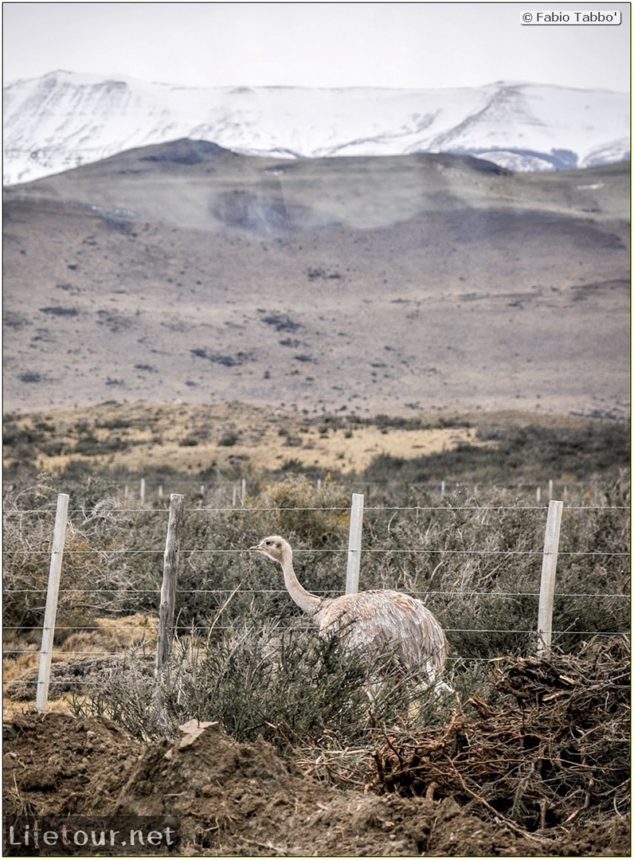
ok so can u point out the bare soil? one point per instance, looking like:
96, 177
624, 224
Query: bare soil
228, 798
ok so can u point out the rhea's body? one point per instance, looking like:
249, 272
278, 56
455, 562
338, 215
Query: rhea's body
381, 621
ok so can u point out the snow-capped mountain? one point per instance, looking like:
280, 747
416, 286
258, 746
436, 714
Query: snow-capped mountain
62, 119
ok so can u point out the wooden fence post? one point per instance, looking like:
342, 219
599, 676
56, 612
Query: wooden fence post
142, 491
547, 588
550, 489
243, 491
354, 544
538, 495
168, 588
442, 489
50, 614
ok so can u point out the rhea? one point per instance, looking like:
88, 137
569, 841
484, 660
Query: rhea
370, 621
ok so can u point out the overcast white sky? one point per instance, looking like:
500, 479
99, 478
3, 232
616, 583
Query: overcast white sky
314, 44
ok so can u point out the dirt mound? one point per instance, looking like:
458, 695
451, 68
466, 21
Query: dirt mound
62, 762
235, 798
55, 765
221, 797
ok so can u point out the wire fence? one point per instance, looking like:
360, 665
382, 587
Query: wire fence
377, 513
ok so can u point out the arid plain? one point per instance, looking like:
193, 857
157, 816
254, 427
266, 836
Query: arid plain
394, 285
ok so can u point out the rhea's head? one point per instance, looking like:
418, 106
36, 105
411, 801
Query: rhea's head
272, 547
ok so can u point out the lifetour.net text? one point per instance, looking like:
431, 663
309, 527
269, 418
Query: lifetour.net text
88, 835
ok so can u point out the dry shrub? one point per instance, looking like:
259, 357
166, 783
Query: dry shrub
554, 750
289, 686
476, 562
102, 570
85, 658
316, 518
110, 634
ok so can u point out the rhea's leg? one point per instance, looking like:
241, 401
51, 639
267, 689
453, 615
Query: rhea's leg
372, 689
441, 689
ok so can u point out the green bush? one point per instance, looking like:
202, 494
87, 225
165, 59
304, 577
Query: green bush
285, 684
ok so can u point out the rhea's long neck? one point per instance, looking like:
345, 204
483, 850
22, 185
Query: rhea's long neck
304, 599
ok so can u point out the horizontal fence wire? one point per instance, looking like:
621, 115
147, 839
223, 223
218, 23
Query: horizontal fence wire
103, 654
197, 627
133, 481
156, 590
374, 482
387, 551
94, 684
238, 509
73, 653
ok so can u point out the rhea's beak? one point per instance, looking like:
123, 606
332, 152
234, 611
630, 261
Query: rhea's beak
257, 548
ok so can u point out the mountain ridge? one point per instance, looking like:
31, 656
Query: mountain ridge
63, 119
94, 76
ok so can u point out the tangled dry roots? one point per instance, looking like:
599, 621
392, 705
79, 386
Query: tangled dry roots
555, 751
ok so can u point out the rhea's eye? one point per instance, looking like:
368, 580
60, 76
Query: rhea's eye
268, 542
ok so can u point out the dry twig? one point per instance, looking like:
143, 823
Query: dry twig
554, 751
